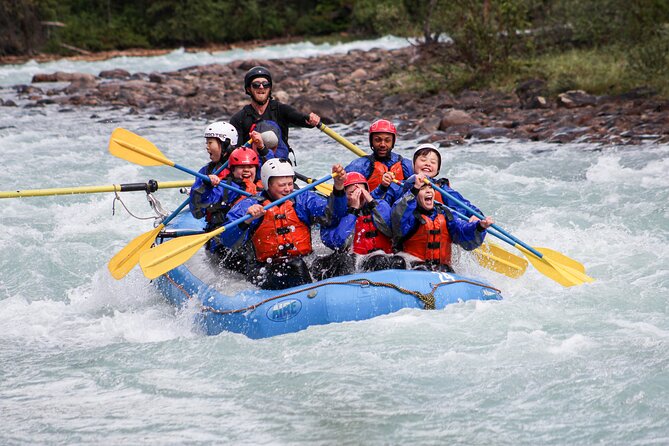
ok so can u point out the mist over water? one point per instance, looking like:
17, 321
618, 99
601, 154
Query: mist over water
85, 359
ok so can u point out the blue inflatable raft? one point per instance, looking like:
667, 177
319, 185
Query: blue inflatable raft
262, 313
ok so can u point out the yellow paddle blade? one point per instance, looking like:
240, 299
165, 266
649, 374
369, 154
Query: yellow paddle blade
126, 259
131, 147
325, 189
562, 274
167, 256
561, 258
493, 257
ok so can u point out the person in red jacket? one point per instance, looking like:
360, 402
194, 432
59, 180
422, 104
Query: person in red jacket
362, 237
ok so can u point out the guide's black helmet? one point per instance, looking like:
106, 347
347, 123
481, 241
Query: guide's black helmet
254, 73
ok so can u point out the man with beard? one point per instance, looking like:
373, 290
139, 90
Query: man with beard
382, 136
265, 110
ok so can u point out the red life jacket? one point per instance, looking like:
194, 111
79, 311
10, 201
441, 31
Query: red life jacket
431, 242
366, 238
281, 233
379, 169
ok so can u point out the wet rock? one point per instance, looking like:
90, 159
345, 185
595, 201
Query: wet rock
323, 107
468, 99
157, 78
28, 90
79, 86
429, 124
360, 73
116, 73
61, 76
9, 103
567, 134
489, 132
454, 118
532, 93
575, 99
357, 92
328, 78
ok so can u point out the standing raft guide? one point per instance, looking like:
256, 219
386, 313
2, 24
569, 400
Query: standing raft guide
245, 206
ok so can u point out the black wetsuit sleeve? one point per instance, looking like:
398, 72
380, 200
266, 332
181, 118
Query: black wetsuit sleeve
292, 116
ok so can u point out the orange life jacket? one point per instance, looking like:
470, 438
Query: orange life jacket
366, 238
281, 233
431, 242
379, 169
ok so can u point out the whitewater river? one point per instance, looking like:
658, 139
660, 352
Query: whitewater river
85, 359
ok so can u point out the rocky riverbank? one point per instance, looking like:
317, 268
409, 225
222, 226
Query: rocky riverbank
354, 87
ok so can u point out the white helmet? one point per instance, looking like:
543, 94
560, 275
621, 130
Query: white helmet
222, 130
275, 167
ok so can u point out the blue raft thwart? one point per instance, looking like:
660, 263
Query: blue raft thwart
263, 313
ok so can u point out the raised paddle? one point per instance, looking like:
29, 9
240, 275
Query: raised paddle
489, 256
150, 186
562, 269
131, 147
167, 256
126, 259
495, 258
340, 139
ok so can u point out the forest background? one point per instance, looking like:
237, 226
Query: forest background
601, 46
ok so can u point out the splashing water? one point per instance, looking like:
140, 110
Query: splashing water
86, 359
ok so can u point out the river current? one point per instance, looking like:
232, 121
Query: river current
86, 359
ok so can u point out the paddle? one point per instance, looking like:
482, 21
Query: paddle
340, 139
323, 189
150, 186
489, 256
126, 259
495, 258
562, 269
167, 256
131, 147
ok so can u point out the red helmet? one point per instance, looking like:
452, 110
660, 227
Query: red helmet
382, 126
355, 178
243, 156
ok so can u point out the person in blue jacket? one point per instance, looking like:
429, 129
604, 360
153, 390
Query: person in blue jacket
362, 237
426, 160
215, 201
279, 238
382, 137
424, 230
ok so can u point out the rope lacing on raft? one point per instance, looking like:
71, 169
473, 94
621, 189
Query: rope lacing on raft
154, 203
428, 299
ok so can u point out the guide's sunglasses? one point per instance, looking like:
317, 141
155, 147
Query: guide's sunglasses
257, 85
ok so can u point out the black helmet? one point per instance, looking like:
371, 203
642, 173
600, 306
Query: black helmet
254, 73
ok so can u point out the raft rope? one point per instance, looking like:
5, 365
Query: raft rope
427, 299
154, 203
